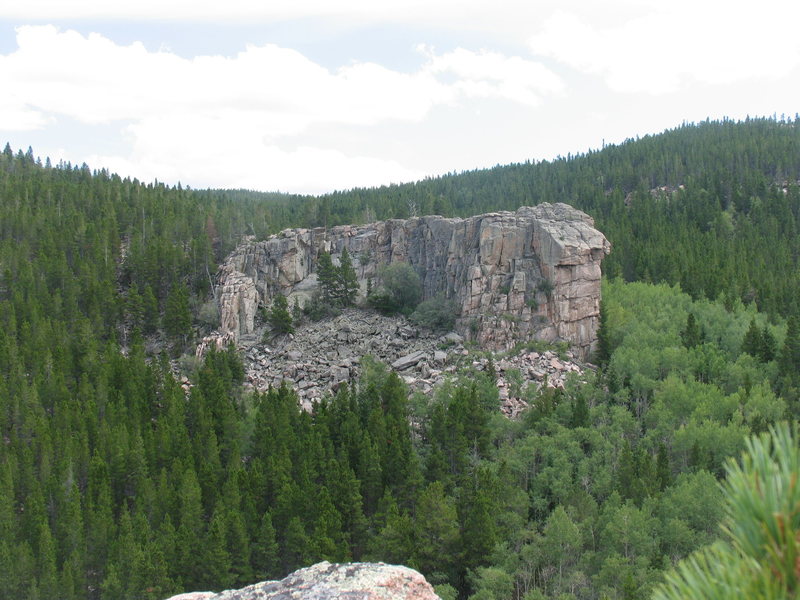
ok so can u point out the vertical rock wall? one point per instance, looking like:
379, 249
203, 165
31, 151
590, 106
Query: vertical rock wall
516, 275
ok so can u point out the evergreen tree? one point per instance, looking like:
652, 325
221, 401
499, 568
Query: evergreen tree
663, 468
150, 312
580, 412
279, 317
758, 557
348, 281
603, 350
789, 358
265, 555
769, 346
692, 334
177, 315
297, 551
328, 277
753, 340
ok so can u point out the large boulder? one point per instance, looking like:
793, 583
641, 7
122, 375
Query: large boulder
326, 581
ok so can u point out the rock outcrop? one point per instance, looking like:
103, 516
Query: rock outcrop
326, 581
533, 273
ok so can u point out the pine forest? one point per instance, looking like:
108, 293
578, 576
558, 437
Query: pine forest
117, 483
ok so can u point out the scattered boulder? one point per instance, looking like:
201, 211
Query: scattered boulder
315, 363
409, 360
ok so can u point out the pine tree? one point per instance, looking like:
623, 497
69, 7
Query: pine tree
150, 312
327, 277
297, 550
692, 334
753, 339
663, 468
769, 346
478, 526
789, 357
348, 281
265, 556
279, 317
580, 412
603, 351
177, 315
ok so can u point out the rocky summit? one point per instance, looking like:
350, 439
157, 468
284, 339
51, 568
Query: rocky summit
532, 273
326, 581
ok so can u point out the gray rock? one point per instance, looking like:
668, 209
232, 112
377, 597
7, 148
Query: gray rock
326, 581
405, 362
453, 338
534, 272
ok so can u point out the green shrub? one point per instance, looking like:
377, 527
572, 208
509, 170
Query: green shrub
545, 286
437, 313
317, 308
400, 289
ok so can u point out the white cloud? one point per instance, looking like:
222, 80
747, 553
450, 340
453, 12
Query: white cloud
661, 47
231, 115
488, 74
439, 12
226, 146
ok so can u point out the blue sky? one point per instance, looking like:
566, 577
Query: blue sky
315, 95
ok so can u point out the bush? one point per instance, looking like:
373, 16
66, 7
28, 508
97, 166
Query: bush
208, 314
437, 313
545, 286
317, 308
400, 289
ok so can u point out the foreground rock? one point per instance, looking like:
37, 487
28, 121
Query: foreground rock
326, 581
514, 275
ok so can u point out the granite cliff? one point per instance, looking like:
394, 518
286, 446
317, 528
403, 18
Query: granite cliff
532, 273
326, 581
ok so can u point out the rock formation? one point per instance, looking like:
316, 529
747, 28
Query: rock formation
514, 275
326, 581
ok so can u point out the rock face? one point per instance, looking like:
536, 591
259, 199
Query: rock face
514, 275
326, 581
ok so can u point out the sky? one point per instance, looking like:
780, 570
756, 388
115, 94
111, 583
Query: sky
312, 96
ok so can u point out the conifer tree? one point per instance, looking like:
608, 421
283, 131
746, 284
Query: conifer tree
265, 554
753, 339
789, 358
769, 346
663, 468
327, 277
150, 312
177, 315
348, 280
296, 548
692, 334
279, 317
603, 351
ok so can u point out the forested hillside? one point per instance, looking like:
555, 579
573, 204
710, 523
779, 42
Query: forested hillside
713, 207
117, 483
